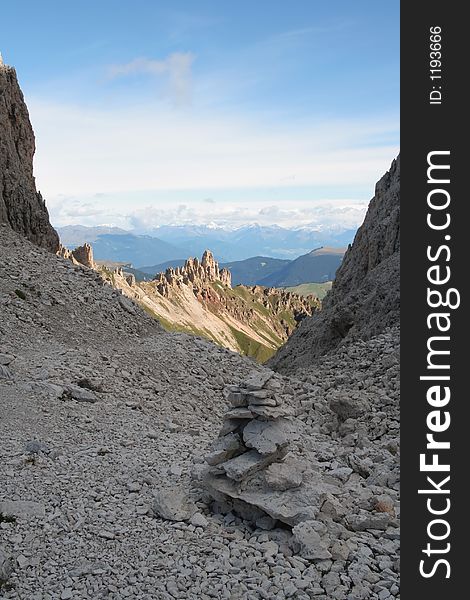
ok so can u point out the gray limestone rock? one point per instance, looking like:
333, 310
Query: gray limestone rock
291, 506
269, 412
173, 504
223, 449
237, 399
5, 372
366, 520
340, 550
262, 397
238, 413
332, 507
269, 436
283, 476
312, 545
347, 407
257, 380
199, 520
243, 466
81, 394
6, 566
259, 395
35, 447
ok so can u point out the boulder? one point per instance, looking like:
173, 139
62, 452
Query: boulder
258, 380
347, 407
81, 394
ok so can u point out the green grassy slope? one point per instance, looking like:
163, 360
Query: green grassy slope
317, 289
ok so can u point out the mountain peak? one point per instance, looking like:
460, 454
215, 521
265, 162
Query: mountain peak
194, 271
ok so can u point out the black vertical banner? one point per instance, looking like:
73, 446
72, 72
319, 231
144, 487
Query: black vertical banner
434, 290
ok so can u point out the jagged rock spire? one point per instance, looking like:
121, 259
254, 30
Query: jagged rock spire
195, 272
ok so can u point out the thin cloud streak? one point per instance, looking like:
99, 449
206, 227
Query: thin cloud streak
176, 67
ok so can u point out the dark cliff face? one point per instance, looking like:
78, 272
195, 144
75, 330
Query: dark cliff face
21, 206
365, 297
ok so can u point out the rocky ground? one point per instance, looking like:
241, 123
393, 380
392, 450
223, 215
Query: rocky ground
104, 417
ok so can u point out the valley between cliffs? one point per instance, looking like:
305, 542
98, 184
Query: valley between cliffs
137, 463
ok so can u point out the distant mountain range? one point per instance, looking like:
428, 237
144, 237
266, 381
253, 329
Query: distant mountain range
253, 270
176, 243
231, 245
117, 245
317, 266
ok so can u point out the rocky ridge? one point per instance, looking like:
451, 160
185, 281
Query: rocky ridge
21, 206
198, 298
365, 297
195, 272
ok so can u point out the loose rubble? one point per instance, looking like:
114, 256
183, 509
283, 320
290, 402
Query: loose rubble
98, 468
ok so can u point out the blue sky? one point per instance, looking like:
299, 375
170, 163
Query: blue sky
232, 112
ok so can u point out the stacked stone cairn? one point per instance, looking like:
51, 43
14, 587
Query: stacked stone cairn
250, 456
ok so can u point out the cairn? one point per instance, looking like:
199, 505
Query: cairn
245, 465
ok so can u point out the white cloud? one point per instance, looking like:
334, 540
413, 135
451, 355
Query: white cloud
176, 67
329, 214
83, 151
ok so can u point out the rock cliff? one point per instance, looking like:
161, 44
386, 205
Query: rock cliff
365, 297
21, 206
